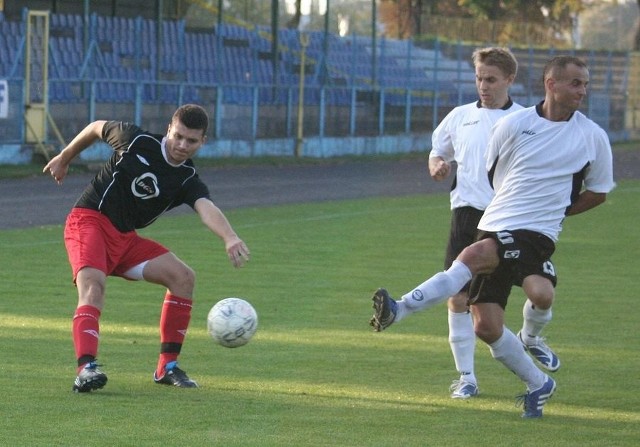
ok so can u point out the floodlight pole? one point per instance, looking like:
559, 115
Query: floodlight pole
304, 42
374, 31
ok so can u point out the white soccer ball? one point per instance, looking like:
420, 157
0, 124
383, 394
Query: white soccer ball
232, 322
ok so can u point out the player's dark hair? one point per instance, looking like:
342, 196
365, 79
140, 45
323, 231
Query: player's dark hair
560, 63
192, 116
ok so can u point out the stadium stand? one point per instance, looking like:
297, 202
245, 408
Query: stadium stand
123, 60
355, 89
121, 52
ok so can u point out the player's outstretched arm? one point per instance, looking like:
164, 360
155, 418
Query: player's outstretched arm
58, 166
216, 221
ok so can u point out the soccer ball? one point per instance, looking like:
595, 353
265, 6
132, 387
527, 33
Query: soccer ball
232, 322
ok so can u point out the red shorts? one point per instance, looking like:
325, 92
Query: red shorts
93, 241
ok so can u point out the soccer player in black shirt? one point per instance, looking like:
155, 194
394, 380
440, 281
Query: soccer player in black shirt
147, 175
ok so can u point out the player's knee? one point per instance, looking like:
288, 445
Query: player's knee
180, 279
486, 332
542, 301
91, 287
540, 292
187, 277
458, 303
481, 257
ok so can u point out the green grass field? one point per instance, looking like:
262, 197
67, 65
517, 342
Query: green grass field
315, 374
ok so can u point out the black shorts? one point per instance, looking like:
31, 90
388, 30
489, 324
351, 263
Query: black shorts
522, 253
463, 232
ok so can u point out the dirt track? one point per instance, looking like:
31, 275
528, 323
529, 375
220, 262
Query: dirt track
38, 200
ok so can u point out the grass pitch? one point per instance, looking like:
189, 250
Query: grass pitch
315, 374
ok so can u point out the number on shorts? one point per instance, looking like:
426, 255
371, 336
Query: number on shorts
548, 268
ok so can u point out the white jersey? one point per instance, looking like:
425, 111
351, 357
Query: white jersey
462, 136
538, 165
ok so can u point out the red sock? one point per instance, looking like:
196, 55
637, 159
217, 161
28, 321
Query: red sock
174, 321
86, 333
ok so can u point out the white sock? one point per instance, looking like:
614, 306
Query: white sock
508, 351
462, 340
534, 320
434, 290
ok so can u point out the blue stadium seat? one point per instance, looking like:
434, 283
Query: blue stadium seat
245, 64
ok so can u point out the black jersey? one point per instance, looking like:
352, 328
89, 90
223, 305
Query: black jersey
138, 184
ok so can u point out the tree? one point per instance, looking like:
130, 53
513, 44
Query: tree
401, 17
295, 20
540, 11
636, 45
610, 25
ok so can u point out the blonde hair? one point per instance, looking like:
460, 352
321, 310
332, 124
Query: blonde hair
499, 57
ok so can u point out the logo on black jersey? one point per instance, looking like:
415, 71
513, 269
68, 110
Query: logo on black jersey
142, 159
145, 186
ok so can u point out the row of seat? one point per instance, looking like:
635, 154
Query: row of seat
128, 50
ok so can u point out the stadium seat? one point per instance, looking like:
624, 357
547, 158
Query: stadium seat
128, 48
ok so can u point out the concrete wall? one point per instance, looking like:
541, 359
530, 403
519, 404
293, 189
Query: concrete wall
312, 147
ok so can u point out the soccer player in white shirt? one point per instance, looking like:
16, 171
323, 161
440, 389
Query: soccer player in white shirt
462, 137
546, 162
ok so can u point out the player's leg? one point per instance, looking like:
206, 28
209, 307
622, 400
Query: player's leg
479, 257
179, 280
462, 341
536, 314
431, 292
490, 296
85, 237
171, 272
507, 349
90, 283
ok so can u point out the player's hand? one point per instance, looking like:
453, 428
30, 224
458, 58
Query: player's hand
57, 168
439, 169
238, 252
